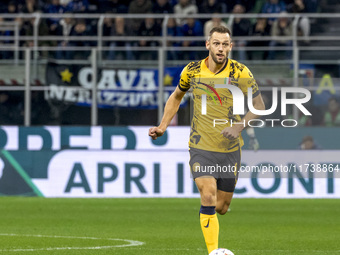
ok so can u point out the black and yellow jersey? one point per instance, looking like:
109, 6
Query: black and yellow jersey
219, 102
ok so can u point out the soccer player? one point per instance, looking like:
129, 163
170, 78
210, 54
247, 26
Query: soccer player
213, 145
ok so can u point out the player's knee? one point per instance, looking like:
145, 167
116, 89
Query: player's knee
208, 199
222, 210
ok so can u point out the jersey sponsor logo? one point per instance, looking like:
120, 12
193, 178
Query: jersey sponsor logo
212, 89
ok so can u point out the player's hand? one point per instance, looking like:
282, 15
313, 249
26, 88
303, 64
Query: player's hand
156, 132
230, 132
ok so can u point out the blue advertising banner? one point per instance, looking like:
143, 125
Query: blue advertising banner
131, 88
125, 162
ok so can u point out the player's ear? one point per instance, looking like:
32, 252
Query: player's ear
207, 44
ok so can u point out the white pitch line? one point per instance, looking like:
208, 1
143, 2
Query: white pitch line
266, 251
130, 243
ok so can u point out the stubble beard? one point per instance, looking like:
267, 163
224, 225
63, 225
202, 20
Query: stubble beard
218, 62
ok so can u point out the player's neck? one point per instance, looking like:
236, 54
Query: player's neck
213, 66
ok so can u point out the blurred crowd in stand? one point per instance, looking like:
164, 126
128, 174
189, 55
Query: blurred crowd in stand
187, 26
11, 107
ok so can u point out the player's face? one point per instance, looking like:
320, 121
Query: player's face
219, 47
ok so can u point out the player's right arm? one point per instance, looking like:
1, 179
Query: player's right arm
171, 107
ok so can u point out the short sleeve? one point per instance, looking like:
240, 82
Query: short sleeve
184, 81
246, 81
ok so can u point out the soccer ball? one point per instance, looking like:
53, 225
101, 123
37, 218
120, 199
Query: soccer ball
221, 251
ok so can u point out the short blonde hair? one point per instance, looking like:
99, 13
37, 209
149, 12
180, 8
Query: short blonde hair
219, 29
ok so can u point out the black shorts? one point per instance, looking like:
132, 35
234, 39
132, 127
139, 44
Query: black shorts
224, 167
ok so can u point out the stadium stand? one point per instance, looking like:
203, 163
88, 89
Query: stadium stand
184, 42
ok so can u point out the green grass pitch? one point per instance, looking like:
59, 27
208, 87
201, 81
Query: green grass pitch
166, 226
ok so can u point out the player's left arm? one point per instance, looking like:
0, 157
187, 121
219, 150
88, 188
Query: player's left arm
234, 131
258, 105
246, 80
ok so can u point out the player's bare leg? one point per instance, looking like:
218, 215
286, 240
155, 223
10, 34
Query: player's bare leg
208, 218
223, 201
207, 188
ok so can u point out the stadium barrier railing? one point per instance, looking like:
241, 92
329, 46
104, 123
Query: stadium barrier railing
32, 59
